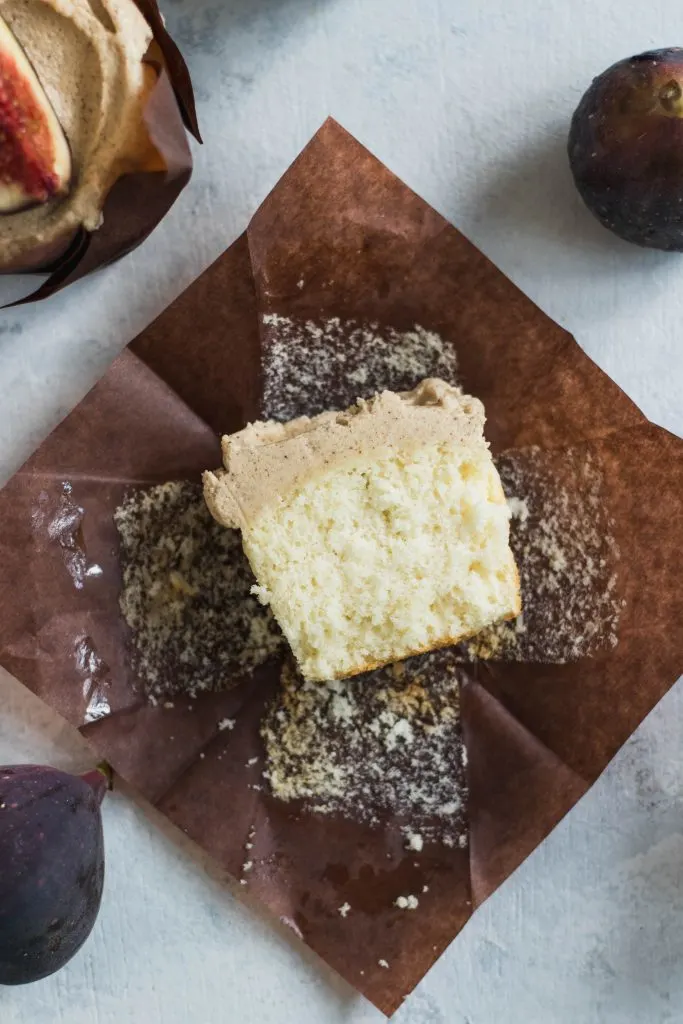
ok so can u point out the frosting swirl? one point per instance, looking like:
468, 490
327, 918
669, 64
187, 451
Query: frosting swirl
88, 55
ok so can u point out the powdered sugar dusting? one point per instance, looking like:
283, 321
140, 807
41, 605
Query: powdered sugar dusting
311, 366
563, 540
389, 742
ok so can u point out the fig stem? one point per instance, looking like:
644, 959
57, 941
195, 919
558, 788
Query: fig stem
101, 779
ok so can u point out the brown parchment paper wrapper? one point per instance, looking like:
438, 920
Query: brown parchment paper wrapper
340, 236
139, 200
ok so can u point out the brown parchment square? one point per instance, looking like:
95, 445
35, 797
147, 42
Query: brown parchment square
340, 236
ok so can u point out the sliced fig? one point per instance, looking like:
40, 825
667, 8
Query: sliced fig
35, 159
51, 868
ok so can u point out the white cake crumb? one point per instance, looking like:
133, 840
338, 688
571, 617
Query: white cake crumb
400, 731
407, 903
414, 841
344, 909
383, 963
226, 723
519, 508
452, 807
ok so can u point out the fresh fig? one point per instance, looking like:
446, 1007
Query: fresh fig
35, 159
51, 868
626, 148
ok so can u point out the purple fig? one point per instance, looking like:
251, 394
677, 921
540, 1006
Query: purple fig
51, 868
626, 148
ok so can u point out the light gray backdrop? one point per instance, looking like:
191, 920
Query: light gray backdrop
469, 103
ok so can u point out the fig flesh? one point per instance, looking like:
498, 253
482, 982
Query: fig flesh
35, 159
626, 148
51, 868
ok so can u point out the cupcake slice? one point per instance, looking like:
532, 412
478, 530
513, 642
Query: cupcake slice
376, 533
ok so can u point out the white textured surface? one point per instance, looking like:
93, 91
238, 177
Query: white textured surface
469, 103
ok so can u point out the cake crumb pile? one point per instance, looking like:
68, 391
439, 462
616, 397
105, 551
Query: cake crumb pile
312, 366
186, 595
387, 743
562, 537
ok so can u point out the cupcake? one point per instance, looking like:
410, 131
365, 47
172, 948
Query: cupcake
87, 110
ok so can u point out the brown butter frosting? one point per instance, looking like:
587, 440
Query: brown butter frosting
268, 458
88, 57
